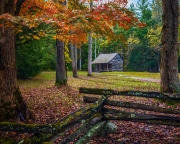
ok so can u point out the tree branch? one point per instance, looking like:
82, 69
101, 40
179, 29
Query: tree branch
18, 6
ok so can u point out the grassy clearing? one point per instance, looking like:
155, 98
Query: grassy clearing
117, 80
112, 80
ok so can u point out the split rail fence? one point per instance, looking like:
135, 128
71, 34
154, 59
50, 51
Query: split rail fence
88, 120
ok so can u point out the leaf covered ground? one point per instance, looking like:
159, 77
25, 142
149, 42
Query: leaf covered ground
49, 103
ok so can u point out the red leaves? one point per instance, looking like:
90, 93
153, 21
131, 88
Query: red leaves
75, 21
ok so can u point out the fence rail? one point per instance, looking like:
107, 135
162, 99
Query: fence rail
87, 121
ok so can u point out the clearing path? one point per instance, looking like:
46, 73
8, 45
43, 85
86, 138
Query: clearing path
142, 79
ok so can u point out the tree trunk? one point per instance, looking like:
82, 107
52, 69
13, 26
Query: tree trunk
61, 75
90, 47
74, 60
12, 106
169, 52
80, 63
90, 55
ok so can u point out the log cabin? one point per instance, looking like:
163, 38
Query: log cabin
108, 62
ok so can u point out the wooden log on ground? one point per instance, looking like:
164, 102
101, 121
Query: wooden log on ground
112, 114
90, 99
82, 129
26, 128
36, 138
130, 93
92, 132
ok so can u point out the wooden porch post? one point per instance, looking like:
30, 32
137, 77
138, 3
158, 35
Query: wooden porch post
107, 66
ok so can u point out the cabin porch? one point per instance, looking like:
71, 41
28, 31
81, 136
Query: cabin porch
100, 67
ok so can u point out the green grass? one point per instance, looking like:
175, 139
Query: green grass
112, 80
135, 74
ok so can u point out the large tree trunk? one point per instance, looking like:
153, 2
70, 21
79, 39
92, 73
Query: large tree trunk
73, 50
90, 55
61, 75
11, 101
169, 52
90, 47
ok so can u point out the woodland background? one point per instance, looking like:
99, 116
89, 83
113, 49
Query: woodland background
139, 47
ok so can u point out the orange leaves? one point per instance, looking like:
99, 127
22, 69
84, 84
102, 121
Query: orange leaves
36, 37
141, 25
6, 16
73, 22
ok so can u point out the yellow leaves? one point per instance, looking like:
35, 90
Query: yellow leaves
30, 37
21, 37
31, 25
154, 36
103, 43
54, 37
41, 34
27, 37
36, 37
18, 31
133, 40
66, 53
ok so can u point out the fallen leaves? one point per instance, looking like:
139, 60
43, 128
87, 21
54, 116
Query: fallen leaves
50, 103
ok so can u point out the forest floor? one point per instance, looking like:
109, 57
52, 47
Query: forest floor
49, 103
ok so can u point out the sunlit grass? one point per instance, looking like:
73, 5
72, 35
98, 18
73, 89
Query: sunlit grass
135, 74
107, 80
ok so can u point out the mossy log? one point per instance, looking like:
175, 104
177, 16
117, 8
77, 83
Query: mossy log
73, 125
82, 128
26, 128
130, 93
91, 99
92, 132
4, 140
112, 114
37, 138
50, 137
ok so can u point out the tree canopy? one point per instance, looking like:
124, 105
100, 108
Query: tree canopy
74, 20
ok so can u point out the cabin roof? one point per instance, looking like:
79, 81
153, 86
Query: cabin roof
104, 58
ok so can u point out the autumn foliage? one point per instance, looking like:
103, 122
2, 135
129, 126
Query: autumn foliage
74, 19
